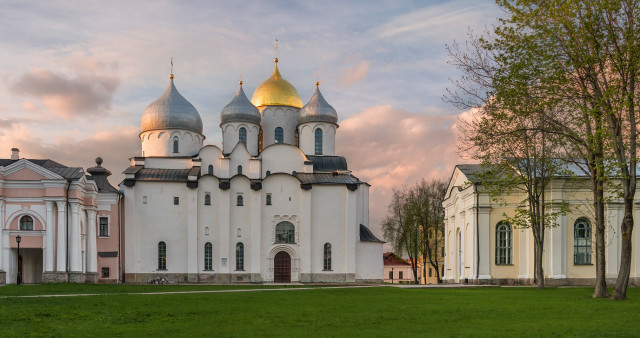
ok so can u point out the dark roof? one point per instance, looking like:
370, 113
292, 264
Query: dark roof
390, 258
315, 178
173, 175
70, 173
471, 171
328, 163
367, 236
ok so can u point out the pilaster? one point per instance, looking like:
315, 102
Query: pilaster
61, 263
92, 252
49, 252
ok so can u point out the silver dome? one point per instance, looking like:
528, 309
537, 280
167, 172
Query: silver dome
317, 110
171, 111
240, 109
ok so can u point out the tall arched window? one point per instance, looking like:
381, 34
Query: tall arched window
162, 256
210, 171
239, 170
26, 223
581, 242
242, 135
279, 135
208, 256
175, 144
327, 256
503, 243
239, 256
240, 200
207, 199
318, 141
285, 232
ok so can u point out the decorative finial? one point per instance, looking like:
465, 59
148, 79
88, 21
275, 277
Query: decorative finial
240, 80
317, 79
171, 76
98, 161
276, 51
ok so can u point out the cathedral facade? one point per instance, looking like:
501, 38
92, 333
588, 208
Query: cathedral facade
275, 204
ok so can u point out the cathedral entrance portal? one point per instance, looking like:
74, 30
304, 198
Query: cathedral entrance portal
282, 268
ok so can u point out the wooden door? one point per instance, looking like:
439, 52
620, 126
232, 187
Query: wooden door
282, 268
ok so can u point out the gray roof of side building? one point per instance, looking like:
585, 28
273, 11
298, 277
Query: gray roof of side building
328, 163
171, 175
70, 173
315, 178
367, 236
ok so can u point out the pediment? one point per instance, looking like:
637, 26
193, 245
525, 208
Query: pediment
25, 170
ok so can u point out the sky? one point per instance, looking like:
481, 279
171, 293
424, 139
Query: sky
75, 77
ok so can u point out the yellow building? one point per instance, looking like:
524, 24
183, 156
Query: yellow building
481, 247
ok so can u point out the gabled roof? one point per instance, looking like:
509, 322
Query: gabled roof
390, 258
69, 173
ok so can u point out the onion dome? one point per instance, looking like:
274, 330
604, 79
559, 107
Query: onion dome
318, 110
171, 111
276, 91
240, 109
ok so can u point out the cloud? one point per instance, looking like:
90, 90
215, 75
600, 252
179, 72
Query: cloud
389, 147
87, 94
356, 73
115, 145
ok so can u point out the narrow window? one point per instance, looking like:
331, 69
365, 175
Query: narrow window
268, 172
162, 256
285, 233
327, 257
239, 256
105, 273
268, 199
210, 171
242, 135
240, 201
175, 144
318, 141
103, 227
279, 135
144, 199
208, 256
581, 242
176, 200
26, 223
400, 275
430, 272
391, 274
207, 199
239, 231
503, 243
239, 170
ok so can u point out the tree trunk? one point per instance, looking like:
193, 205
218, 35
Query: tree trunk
620, 292
538, 271
601, 290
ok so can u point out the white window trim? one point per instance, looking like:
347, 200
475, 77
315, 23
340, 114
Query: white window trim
108, 217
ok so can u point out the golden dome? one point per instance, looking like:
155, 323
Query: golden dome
276, 91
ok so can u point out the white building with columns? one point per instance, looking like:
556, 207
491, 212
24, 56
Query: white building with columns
481, 247
275, 204
67, 222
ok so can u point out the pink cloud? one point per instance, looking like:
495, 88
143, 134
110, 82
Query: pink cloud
355, 74
389, 147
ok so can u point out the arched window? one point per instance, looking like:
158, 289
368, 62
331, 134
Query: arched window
210, 171
239, 256
285, 232
268, 199
503, 243
162, 256
242, 135
318, 141
26, 223
207, 199
327, 256
581, 242
175, 144
279, 135
268, 172
239, 170
208, 256
240, 200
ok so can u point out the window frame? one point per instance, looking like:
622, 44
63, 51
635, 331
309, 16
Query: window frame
504, 244
162, 256
239, 200
285, 235
268, 199
176, 200
208, 256
103, 270
318, 141
207, 199
242, 136
28, 223
239, 169
176, 147
327, 257
210, 169
239, 256
582, 243
100, 228
278, 136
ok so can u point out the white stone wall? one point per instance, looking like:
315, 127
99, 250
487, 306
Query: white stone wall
285, 117
231, 136
307, 138
160, 142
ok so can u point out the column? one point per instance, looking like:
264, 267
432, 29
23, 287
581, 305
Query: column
2, 267
225, 249
192, 247
92, 251
61, 264
352, 227
255, 224
75, 250
484, 242
556, 249
49, 253
524, 253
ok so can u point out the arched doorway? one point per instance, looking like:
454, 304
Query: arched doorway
282, 268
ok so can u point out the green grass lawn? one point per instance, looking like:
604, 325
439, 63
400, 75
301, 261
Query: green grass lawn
320, 312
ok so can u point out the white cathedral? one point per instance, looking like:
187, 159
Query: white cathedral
275, 204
